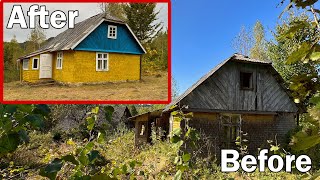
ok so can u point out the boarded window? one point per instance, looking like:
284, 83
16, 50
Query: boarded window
246, 80
231, 127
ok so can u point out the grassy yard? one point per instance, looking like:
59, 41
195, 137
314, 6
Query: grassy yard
151, 87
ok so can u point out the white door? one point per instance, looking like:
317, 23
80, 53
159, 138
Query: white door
45, 66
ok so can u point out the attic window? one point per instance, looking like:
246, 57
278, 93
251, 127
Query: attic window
112, 32
25, 64
246, 80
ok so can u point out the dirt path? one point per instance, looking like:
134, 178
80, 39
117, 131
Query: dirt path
153, 87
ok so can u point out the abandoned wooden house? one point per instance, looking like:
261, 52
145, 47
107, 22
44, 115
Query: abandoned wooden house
99, 49
238, 95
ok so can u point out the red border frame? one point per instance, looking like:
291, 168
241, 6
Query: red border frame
86, 101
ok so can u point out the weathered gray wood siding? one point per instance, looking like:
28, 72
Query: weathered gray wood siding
222, 91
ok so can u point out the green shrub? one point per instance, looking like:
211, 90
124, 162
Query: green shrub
11, 75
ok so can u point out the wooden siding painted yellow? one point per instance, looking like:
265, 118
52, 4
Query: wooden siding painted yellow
30, 75
122, 67
175, 124
66, 74
80, 66
196, 115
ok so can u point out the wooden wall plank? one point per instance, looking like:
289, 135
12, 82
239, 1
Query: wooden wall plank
222, 91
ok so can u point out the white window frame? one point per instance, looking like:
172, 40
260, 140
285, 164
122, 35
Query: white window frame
33, 64
113, 35
59, 57
104, 60
25, 61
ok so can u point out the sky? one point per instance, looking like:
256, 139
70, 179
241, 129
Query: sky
86, 10
203, 30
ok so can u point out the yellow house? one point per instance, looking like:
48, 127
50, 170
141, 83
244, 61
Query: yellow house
101, 48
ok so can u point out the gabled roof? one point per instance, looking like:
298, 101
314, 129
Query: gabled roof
70, 38
236, 57
120, 112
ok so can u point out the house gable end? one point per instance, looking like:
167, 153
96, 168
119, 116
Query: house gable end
98, 40
222, 90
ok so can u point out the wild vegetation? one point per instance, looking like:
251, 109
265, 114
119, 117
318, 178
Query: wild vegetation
31, 146
94, 151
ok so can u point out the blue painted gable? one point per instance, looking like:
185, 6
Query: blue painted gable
98, 40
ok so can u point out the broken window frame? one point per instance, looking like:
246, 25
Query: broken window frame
142, 129
241, 80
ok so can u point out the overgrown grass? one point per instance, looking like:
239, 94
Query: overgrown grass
157, 159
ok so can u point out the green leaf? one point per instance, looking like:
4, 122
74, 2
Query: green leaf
93, 155
10, 108
124, 169
175, 139
132, 164
101, 136
177, 132
300, 54
42, 109
174, 113
172, 107
178, 175
102, 176
116, 172
95, 110
304, 3
83, 158
70, 158
9, 143
274, 148
85, 177
23, 135
26, 108
89, 147
186, 157
108, 110
52, 169
315, 56
307, 142
290, 33
7, 124
90, 123
35, 120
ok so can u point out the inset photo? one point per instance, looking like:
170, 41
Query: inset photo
86, 52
